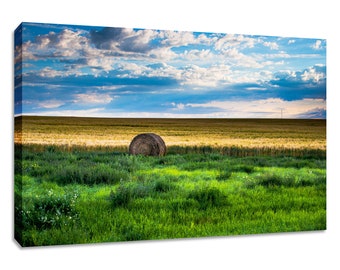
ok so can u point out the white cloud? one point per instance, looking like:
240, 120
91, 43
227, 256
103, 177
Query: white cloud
199, 55
135, 42
165, 70
271, 45
50, 104
317, 45
24, 52
104, 63
92, 98
71, 40
52, 73
177, 38
231, 41
131, 70
162, 53
67, 43
178, 106
108, 87
312, 74
142, 38
205, 76
235, 58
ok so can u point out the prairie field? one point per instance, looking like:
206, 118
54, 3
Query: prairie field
76, 183
246, 133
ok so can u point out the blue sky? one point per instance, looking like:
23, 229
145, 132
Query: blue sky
72, 70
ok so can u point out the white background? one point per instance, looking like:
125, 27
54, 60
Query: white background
310, 250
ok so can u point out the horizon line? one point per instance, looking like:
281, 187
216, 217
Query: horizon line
199, 118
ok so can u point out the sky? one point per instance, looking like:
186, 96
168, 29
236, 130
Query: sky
74, 70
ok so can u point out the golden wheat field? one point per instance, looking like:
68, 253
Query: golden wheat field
118, 132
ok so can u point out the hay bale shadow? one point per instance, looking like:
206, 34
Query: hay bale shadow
147, 144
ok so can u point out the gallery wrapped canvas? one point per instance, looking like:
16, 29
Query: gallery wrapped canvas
143, 134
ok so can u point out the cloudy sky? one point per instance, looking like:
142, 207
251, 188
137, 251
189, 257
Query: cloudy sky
66, 70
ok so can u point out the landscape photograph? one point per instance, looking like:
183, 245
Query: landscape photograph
125, 134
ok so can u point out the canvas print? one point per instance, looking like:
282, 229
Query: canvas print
146, 134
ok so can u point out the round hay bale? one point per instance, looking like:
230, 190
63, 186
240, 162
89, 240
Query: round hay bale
147, 144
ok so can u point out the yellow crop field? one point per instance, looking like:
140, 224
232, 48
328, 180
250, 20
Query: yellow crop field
118, 132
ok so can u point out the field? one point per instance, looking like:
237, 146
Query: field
75, 182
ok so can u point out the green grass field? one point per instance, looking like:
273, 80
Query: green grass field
79, 192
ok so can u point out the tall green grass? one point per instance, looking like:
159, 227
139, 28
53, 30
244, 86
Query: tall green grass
81, 195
